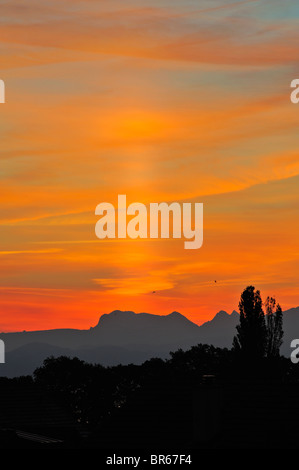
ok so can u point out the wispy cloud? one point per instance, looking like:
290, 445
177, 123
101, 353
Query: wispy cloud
161, 100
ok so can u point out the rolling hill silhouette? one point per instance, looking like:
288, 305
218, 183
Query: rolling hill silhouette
123, 337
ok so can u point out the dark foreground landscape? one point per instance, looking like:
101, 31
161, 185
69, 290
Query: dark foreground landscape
202, 397
197, 399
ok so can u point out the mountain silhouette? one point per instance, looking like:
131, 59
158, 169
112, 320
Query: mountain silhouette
123, 328
123, 337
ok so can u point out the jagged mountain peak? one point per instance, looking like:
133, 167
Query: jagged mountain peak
120, 315
221, 314
235, 314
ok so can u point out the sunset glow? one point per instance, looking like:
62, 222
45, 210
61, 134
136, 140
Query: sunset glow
167, 102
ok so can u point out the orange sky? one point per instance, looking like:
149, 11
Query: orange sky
161, 101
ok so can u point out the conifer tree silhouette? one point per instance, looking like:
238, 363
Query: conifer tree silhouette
274, 321
251, 338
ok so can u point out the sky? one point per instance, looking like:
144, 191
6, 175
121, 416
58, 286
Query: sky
163, 101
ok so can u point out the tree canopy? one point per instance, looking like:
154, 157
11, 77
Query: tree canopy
259, 333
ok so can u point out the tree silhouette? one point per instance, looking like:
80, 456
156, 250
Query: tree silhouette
274, 327
259, 334
251, 339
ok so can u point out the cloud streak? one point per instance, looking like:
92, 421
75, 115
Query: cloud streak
161, 101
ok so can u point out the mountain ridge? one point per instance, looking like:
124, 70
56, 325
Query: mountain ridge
122, 336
